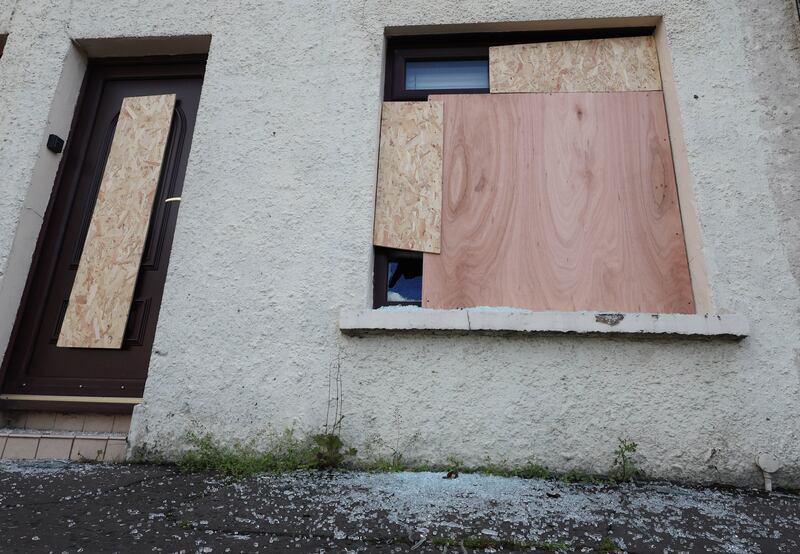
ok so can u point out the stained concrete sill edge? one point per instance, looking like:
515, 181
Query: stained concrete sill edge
508, 321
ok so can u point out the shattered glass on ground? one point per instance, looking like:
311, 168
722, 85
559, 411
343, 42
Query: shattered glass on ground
68, 507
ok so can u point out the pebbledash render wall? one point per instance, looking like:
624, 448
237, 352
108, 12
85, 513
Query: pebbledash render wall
274, 239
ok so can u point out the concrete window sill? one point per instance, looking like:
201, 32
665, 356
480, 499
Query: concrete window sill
509, 321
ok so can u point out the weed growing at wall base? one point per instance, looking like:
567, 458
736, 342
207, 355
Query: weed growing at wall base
581, 477
328, 451
624, 468
530, 470
481, 542
286, 453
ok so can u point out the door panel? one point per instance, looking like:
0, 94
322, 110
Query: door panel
34, 365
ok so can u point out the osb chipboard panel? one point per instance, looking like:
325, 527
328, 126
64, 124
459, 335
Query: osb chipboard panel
101, 294
560, 202
600, 65
408, 200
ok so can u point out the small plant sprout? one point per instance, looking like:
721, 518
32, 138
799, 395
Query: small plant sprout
607, 545
328, 450
333, 421
624, 465
480, 542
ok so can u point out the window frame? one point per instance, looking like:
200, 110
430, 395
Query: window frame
380, 289
470, 46
401, 56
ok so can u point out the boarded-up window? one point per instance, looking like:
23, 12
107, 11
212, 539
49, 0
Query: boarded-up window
558, 187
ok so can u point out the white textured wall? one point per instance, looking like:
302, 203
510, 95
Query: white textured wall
274, 235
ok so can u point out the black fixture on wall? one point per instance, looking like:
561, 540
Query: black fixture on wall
55, 144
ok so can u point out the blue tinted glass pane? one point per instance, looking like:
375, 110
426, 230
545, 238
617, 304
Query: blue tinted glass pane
404, 281
447, 75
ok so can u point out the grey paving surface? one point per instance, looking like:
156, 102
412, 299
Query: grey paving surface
59, 507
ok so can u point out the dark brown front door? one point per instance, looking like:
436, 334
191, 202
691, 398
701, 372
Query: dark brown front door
34, 366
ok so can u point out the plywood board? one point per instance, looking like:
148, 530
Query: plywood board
104, 284
408, 199
559, 202
598, 65
683, 176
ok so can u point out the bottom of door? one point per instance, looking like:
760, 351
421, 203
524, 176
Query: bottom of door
102, 404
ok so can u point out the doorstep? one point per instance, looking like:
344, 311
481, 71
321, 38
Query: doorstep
64, 436
30, 444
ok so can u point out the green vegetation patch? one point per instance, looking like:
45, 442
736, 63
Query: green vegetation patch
607, 545
477, 542
285, 453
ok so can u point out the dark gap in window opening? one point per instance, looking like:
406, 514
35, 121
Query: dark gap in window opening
398, 278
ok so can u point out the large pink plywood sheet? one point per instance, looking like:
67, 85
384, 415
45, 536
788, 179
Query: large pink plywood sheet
561, 202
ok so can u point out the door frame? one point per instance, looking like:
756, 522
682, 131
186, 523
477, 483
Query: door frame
148, 67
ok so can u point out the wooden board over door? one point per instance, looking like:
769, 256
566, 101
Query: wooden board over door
101, 295
559, 202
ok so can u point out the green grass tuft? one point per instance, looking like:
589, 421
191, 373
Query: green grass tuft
607, 545
286, 453
477, 542
528, 471
578, 476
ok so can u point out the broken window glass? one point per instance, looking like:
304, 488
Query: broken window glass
404, 280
